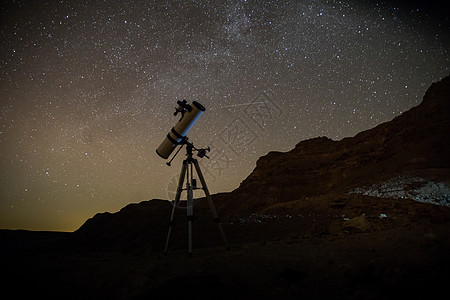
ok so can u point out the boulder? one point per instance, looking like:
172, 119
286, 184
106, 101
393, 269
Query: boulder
359, 223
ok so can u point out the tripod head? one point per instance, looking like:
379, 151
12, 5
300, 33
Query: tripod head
201, 152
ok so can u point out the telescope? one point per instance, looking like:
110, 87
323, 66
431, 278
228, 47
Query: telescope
189, 115
177, 136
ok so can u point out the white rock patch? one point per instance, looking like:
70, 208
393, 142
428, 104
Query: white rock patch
409, 187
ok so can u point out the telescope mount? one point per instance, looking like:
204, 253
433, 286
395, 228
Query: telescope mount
187, 173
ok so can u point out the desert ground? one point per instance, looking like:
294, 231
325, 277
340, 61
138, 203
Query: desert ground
345, 252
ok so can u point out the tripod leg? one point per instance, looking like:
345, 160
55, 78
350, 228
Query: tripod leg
190, 204
190, 217
210, 202
175, 203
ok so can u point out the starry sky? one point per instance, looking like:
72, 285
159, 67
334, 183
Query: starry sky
88, 90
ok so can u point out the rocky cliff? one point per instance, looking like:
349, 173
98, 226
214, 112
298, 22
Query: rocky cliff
416, 141
317, 182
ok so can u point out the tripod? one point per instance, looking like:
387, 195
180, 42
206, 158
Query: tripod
191, 185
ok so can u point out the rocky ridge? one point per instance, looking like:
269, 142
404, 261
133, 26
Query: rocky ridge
416, 141
312, 189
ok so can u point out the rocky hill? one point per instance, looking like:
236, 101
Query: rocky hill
319, 177
418, 141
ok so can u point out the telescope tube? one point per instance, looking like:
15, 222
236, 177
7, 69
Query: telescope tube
179, 131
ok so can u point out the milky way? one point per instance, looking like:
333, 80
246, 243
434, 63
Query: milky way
88, 89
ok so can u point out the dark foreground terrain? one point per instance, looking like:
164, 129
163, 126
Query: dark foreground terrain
405, 255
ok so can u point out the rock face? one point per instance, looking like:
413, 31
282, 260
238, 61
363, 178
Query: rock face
308, 191
419, 139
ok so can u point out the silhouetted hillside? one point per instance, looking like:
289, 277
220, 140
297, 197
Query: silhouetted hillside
419, 139
316, 176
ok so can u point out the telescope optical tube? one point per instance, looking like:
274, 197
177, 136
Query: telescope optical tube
179, 131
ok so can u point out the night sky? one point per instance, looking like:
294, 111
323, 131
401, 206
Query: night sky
88, 90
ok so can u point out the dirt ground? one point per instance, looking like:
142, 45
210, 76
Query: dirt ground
391, 249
